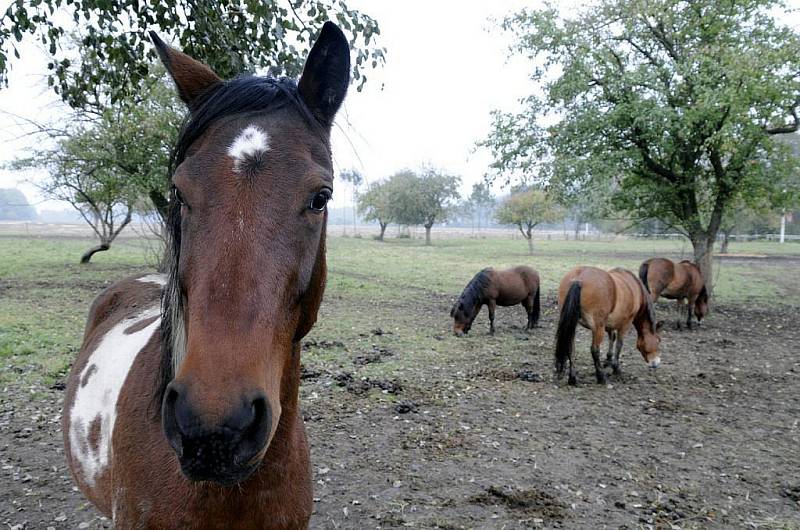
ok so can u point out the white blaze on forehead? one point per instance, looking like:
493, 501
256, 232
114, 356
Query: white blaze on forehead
104, 375
251, 142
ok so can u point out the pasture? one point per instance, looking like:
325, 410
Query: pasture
412, 427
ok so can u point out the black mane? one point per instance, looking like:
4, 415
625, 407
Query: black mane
474, 291
226, 98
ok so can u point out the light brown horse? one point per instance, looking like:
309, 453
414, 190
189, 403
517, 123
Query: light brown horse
676, 281
604, 302
184, 414
518, 285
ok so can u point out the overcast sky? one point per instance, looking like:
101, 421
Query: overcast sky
446, 69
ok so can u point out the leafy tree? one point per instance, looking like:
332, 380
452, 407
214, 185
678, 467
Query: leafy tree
109, 164
422, 199
14, 206
374, 205
230, 36
100, 192
480, 200
355, 179
527, 208
668, 107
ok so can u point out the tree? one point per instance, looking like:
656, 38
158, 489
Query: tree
14, 206
374, 205
670, 107
101, 193
527, 208
108, 165
354, 177
481, 200
422, 199
230, 36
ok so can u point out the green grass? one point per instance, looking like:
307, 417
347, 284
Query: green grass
400, 286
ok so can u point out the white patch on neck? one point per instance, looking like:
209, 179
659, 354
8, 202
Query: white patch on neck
104, 374
159, 279
251, 142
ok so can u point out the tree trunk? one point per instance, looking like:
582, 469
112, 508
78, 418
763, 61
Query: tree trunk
87, 256
383, 229
725, 240
529, 236
703, 246
428, 235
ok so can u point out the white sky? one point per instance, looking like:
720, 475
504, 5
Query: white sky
446, 69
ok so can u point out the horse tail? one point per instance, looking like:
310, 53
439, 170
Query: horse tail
536, 305
643, 270
567, 323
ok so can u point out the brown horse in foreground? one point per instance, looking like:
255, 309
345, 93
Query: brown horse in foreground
184, 413
604, 302
518, 285
676, 281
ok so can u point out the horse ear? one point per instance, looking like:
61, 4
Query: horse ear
326, 74
191, 77
659, 325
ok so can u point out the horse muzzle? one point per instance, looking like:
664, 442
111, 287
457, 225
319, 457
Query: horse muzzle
655, 363
225, 451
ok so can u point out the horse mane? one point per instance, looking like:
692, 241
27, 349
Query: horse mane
475, 288
703, 295
242, 94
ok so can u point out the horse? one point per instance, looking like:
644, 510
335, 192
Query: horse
517, 285
181, 410
676, 281
604, 302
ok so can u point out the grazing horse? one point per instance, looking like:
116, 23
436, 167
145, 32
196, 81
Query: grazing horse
518, 285
676, 281
604, 302
184, 413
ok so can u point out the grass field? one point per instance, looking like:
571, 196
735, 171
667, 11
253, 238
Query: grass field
46, 293
490, 441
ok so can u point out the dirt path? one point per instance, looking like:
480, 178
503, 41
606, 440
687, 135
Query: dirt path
485, 439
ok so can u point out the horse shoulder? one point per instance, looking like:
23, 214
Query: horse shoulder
122, 321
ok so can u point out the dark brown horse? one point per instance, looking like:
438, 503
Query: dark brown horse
181, 410
676, 281
518, 285
604, 302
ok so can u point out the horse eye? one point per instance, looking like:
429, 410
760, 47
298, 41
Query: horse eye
319, 201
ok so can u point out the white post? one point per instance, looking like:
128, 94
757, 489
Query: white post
783, 227
586, 229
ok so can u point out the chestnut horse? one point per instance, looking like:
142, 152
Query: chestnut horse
604, 302
518, 285
184, 414
676, 281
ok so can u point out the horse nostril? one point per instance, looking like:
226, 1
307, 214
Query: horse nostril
255, 430
168, 418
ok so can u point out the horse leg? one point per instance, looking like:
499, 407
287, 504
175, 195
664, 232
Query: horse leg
491, 305
597, 341
689, 310
573, 374
615, 362
678, 324
528, 305
611, 338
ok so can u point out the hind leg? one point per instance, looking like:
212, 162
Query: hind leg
528, 305
597, 341
491, 306
678, 323
689, 311
617, 349
611, 337
573, 374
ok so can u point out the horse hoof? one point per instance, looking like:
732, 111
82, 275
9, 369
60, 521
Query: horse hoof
572, 381
616, 370
601, 379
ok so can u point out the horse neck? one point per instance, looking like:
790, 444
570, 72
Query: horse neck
642, 322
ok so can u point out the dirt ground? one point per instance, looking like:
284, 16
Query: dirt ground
487, 440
